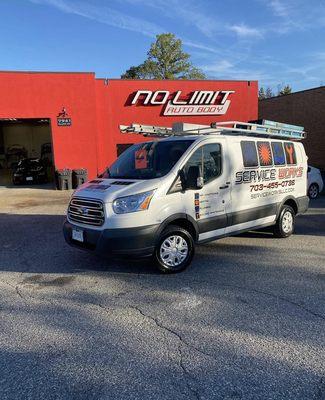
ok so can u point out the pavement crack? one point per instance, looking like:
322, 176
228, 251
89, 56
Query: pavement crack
19, 292
156, 321
188, 378
179, 336
15, 288
307, 310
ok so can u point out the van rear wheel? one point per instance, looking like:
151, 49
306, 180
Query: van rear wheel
285, 223
174, 250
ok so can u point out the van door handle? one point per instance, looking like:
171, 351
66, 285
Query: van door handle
224, 187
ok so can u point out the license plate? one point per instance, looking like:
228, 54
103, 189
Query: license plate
77, 235
29, 178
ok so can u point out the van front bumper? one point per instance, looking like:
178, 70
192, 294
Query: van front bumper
138, 241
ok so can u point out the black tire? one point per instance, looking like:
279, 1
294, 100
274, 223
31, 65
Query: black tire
285, 223
181, 236
313, 191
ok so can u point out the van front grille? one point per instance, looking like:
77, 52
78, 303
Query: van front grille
86, 211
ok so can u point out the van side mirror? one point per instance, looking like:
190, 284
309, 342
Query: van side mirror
182, 178
194, 178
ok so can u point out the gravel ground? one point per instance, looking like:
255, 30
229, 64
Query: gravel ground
245, 321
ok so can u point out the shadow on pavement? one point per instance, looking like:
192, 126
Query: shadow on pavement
35, 243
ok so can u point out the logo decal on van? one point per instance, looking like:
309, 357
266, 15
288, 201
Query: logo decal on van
197, 205
290, 153
264, 152
255, 175
278, 153
292, 172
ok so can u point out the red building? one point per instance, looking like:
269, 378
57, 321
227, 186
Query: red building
80, 115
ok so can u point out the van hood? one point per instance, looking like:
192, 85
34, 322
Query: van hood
107, 190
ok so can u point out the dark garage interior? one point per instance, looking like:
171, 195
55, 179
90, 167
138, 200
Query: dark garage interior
26, 156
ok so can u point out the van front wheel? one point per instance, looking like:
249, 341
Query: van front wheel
285, 223
174, 250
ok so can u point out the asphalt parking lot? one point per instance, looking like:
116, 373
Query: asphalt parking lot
245, 321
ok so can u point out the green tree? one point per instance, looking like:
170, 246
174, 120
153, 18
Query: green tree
265, 93
142, 71
261, 93
166, 60
268, 93
285, 90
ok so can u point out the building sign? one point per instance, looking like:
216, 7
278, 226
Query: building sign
64, 121
63, 118
199, 102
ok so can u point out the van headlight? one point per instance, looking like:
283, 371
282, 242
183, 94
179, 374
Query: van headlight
136, 202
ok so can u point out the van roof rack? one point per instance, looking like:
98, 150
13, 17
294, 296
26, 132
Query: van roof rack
147, 130
263, 128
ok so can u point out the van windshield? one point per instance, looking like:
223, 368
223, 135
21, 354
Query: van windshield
148, 160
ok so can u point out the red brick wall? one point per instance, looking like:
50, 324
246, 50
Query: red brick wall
306, 108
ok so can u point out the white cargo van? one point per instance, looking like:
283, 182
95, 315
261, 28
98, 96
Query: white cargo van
161, 197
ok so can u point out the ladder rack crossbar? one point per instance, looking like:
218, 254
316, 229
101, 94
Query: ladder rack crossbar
147, 130
283, 131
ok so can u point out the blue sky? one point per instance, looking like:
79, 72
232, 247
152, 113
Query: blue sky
272, 41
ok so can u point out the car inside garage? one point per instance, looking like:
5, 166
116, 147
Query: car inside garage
26, 156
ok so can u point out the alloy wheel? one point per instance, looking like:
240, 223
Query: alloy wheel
313, 191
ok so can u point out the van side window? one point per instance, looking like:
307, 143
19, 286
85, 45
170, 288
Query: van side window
290, 153
264, 154
278, 153
211, 161
208, 158
249, 152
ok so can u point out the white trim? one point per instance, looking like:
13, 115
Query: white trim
237, 227
207, 235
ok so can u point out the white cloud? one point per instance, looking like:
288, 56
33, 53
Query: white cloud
200, 46
104, 15
319, 55
117, 19
218, 67
225, 69
221, 60
245, 31
279, 8
189, 12
295, 15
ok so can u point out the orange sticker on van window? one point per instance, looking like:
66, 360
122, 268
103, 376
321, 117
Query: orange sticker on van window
290, 153
264, 152
141, 160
